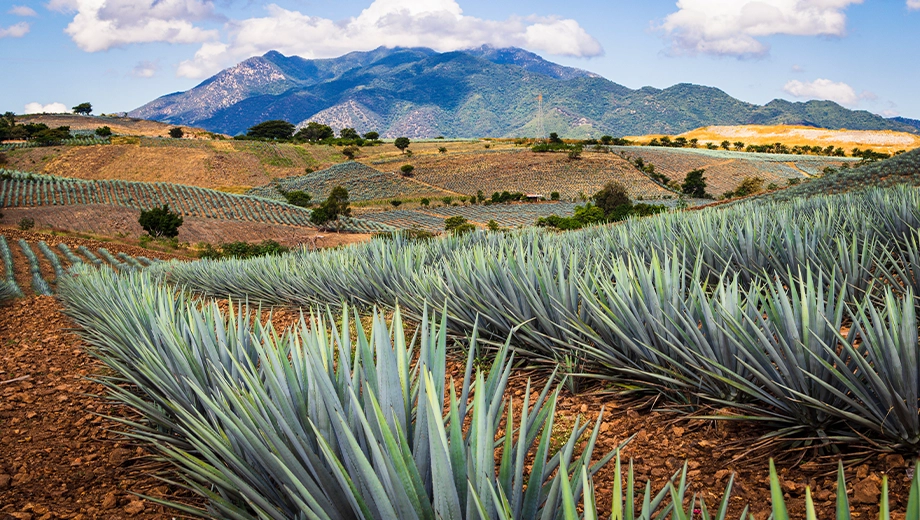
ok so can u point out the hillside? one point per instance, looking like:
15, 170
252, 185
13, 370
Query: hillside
483, 92
885, 141
118, 125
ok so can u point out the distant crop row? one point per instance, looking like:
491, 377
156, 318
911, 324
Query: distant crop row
508, 215
77, 141
23, 190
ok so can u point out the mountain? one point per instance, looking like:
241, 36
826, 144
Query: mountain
480, 92
911, 122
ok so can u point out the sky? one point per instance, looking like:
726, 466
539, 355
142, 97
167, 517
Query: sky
121, 54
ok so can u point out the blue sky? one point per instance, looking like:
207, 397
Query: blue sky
120, 54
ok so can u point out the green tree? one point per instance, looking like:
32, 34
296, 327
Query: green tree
335, 206
315, 132
606, 139
104, 131
442, 149
425, 201
402, 143
407, 169
694, 184
493, 226
554, 195
396, 203
613, 198
749, 186
160, 222
84, 109
176, 132
458, 225
372, 136
554, 138
298, 198
349, 133
726, 145
273, 129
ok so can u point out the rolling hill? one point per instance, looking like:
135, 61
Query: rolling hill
418, 92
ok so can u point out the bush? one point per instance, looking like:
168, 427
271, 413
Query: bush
425, 202
176, 133
442, 149
274, 129
612, 198
160, 222
554, 195
407, 169
26, 223
396, 203
372, 136
243, 250
3, 159
493, 226
298, 198
104, 131
350, 152
694, 184
402, 143
458, 225
749, 186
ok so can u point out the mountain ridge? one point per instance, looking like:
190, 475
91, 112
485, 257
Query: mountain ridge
480, 92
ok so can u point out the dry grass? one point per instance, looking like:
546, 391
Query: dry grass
119, 125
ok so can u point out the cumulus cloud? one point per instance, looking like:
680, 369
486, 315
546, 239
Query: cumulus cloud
99, 25
15, 31
735, 27
51, 108
22, 10
913, 4
145, 69
824, 89
438, 24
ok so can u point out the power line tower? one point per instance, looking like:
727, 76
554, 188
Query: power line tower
542, 128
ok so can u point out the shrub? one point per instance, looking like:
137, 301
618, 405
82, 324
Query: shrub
493, 226
749, 186
372, 136
407, 169
160, 222
447, 200
243, 250
554, 195
176, 132
694, 184
425, 202
442, 149
104, 131
26, 223
3, 159
458, 225
350, 152
396, 203
612, 197
298, 198
402, 143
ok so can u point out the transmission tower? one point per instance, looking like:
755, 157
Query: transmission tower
542, 128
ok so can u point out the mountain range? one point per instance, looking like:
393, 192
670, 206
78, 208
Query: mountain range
482, 92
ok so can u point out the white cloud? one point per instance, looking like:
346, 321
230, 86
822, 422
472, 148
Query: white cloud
15, 31
145, 69
22, 10
798, 69
734, 27
102, 24
913, 4
438, 24
824, 89
51, 108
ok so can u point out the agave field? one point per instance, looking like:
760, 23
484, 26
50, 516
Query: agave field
507, 215
726, 169
799, 316
76, 141
28, 190
408, 219
362, 183
47, 266
527, 172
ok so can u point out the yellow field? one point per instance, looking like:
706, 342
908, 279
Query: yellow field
877, 140
119, 125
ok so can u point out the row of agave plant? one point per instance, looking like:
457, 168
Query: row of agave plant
318, 422
800, 313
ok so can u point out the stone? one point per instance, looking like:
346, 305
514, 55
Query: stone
110, 500
135, 507
867, 490
5, 481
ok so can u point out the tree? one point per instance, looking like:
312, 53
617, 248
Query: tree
739, 145
458, 225
726, 145
273, 129
406, 169
492, 225
298, 198
694, 184
314, 132
554, 138
349, 133
749, 186
612, 198
442, 149
402, 143
335, 206
606, 139
396, 203
554, 195
160, 222
372, 136
176, 133
84, 109
104, 131
425, 201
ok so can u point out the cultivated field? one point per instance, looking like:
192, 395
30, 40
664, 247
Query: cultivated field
118, 125
884, 141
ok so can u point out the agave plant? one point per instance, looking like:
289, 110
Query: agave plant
314, 423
